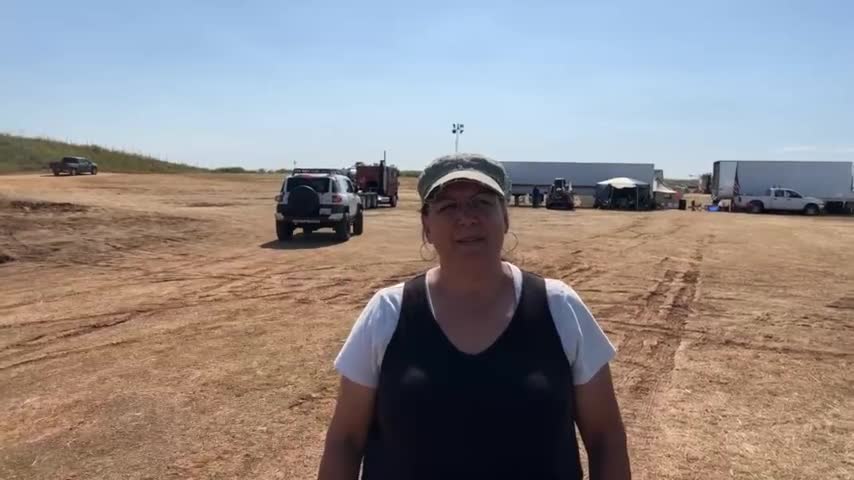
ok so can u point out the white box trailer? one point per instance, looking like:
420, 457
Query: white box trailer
583, 176
832, 182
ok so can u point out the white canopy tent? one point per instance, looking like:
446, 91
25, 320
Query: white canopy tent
620, 183
664, 196
623, 182
662, 188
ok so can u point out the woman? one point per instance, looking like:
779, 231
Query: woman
476, 369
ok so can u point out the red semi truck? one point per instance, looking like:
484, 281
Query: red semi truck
379, 179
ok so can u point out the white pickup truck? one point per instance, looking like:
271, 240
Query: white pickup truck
780, 199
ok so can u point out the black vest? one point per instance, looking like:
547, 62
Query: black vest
505, 413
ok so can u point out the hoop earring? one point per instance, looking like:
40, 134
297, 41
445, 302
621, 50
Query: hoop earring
423, 256
515, 243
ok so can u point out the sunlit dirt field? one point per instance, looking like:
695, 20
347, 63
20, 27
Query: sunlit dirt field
152, 327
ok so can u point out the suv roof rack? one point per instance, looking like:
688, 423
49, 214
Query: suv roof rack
332, 171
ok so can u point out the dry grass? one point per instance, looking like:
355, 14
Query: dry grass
155, 330
27, 154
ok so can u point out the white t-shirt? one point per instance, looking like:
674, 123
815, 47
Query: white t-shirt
585, 344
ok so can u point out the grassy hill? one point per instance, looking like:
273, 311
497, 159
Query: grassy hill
25, 154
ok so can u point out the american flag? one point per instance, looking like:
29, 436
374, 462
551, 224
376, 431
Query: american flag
736, 186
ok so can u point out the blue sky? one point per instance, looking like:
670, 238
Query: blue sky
261, 84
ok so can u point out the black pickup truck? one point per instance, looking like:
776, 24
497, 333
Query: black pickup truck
74, 165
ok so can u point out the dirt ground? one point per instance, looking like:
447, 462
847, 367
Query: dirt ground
151, 327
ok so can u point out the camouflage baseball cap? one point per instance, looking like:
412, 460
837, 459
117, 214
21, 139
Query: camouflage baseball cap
463, 166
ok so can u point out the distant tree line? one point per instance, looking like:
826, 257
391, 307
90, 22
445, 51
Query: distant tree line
243, 170
403, 173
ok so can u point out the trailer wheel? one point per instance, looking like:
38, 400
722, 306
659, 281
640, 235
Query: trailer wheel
756, 207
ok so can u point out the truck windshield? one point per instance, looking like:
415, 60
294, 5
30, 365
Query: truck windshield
319, 184
793, 194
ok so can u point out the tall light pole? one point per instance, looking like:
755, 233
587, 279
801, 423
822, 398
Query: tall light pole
457, 130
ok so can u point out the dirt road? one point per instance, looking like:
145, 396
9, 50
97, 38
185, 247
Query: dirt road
151, 327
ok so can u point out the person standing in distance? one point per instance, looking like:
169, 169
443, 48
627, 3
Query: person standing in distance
475, 369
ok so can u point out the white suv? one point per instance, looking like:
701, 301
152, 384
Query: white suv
313, 198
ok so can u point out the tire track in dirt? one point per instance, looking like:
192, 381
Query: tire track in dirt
843, 303
571, 269
162, 307
647, 354
647, 347
656, 329
66, 353
580, 275
639, 238
789, 351
636, 222
44, 338
664, 348
360, 293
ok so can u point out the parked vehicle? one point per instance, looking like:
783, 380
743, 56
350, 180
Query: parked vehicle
560, 195
318, 198
381, 180
584, 176
831, 182
780, 199
74, 166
